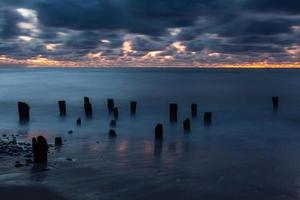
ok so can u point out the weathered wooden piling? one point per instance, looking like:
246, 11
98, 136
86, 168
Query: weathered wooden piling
62, 108
40, 150
58, 141
159, 132
133, 107
86, 100
173, 112
110, 105
113, 123
116, 113
187, 125
78, 121
24, 114
112, 133
194, 110
207, 118
275, 101
88, 108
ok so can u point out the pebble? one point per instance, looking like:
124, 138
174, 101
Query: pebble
10, 147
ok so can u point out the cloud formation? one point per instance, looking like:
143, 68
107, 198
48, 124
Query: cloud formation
149, 32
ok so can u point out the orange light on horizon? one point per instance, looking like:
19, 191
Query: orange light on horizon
149, 60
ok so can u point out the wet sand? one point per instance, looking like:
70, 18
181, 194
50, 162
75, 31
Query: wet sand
28, 192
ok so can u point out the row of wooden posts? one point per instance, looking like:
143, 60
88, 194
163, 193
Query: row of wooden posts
40, 145
24, 109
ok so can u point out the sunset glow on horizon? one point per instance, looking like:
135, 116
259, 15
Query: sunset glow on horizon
101, 62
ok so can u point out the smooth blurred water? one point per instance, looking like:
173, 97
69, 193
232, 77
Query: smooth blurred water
249, 152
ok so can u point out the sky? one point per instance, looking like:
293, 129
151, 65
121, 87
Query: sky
150, 33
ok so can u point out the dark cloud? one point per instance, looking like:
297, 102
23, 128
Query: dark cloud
282, 6
8, 23
243, 29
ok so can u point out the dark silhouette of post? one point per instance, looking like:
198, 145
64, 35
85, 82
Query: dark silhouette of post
113, 123
86, 100
88, 108
78, 121
207, 118
62, 108
112, 133
133, 107
116, 113
58, 141
275, 101
110, 105
187, 125
173, 112
40, 150
24, 114
159, 132
194, 110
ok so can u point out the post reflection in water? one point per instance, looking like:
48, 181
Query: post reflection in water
158, 149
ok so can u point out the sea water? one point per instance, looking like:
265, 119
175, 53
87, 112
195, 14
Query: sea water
249, 151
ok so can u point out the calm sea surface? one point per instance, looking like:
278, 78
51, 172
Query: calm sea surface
249, 152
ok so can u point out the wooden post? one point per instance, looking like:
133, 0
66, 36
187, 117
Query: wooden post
159, 132
173, 112
86, 100
58, 141
113, 123
88, 108
110, 105
187, 125
207, 118
133, 107
275, 101
40, 149
62, 108
78, 121
112, 133
194, 110
23, 110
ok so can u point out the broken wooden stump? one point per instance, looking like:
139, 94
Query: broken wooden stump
194, 110
187, 125
62, 108
88, 108
207, 118
110, 105
58, 141
159, 132
116, 113
173, 112
40, 150
112, 133
23, 110
78, 121
275, 101
86, 100
133, 107
113, 123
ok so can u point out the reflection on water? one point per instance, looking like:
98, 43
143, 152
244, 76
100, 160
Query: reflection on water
38, 172
122, 147
158, 148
